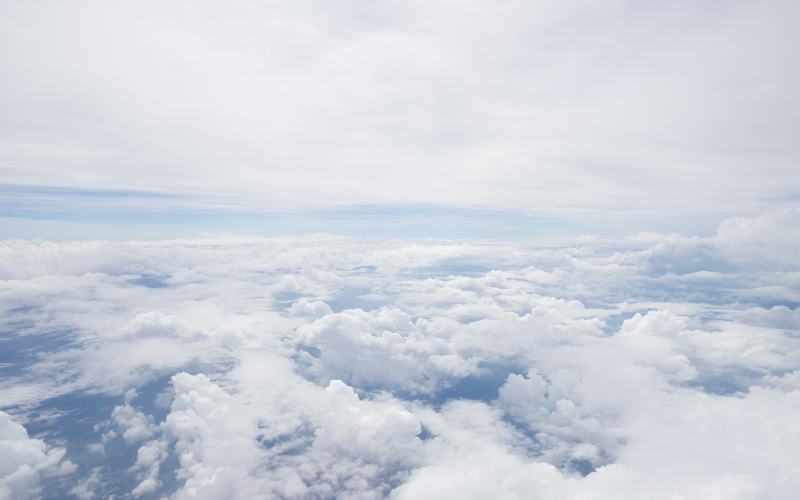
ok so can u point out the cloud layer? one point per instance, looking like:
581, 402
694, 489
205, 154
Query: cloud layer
325, 367
637, 110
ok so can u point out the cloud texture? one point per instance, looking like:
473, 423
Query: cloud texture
23, 461
325, 367
644, 110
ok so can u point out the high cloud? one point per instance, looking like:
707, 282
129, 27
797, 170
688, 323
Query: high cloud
631, 110
658, 366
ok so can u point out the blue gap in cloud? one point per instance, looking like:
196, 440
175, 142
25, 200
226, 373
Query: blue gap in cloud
581, 466
449, 269
18, 351
299, 440
145, 215
349, 298
614, 322
484, 387
769, 303
723, 382
151, 281
75, 428
352, 298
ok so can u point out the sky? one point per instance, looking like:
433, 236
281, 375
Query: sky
165, 119
401, 250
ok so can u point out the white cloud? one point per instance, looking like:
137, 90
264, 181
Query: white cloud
149, 459
24, 461
334, 367
156, 324
305, 308
653, 323
135, 425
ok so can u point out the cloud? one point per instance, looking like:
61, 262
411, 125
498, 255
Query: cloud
135, 425
24, 461
149, 459
156, 324
310, 440
329, 367
382, 349
84, 490
305, 308
541, 107
654, 323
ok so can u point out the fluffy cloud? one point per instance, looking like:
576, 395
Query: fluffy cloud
24, 461
327, 367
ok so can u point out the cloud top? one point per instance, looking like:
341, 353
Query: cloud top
328, 367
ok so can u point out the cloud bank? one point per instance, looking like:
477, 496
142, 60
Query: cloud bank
656, 366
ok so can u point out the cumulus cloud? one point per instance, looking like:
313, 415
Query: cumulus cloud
135, 425
24, 461
305, 308
156, 324
327, 367
653, 323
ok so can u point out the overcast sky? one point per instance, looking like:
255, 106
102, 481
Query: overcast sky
644, 115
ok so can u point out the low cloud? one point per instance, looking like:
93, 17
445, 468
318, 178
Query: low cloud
25, 461
325, 367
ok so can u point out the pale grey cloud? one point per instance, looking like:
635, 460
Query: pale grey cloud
640, 109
